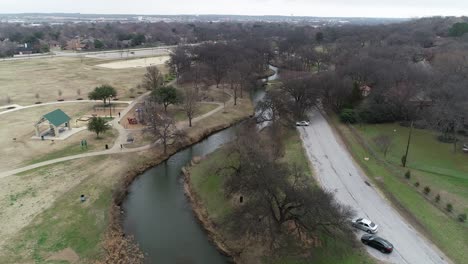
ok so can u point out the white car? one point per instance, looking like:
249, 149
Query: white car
302, 123
365, 225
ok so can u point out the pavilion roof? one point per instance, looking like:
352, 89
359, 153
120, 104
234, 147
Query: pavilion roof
57, 117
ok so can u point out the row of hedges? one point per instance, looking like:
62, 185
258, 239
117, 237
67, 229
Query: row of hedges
462, 217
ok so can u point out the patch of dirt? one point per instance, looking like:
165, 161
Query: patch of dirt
137, 63
67, 254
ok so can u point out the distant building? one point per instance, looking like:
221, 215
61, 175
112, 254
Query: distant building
421, 100
74, 44
53, 44
24, 49
78, 43
365, 90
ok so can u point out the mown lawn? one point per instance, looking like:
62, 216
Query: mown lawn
208, 186
425, 154
432, 162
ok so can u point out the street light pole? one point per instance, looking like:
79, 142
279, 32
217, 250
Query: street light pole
110, 107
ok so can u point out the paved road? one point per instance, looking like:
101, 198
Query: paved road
337, 172
106, 54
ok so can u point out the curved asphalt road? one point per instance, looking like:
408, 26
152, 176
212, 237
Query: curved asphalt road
336, 171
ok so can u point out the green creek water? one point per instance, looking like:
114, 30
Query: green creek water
158, 214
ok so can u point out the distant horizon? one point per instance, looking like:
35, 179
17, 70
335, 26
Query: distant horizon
286, 8
216, 14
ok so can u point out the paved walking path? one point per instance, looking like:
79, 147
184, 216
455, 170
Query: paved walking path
20, 107
121, 139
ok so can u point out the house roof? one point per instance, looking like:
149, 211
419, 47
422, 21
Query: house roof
57, 117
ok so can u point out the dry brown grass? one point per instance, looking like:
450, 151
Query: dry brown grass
37, 198
24, 150
21, 80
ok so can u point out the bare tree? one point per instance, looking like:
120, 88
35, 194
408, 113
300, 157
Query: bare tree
279, 198
303, 91
153, 78
180, 60
234, 79
383, 142
196, 75
161, 126
190, 103
274, 107
216, 59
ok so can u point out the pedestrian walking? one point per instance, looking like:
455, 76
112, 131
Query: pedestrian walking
119, 114
121, 147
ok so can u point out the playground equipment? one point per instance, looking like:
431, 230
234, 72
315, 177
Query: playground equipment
132, 121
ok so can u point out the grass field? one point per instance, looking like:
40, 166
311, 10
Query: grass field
208, 186
65, 222
431, 162
21, 80
43, 220
25, 150
448, 234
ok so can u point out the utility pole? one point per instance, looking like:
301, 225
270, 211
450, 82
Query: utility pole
404, 159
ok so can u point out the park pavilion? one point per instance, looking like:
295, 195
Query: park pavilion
58, 122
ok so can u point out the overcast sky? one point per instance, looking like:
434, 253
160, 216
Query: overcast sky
342, 8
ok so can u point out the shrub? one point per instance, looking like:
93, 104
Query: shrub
403, 160
427, 190
348, 115
437, 198
462, 217
447, 138
408, 174
449, 207
416, 184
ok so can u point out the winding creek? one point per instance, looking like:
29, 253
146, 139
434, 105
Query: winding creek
158, 214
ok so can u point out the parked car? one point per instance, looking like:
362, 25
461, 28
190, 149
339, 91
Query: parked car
302, 123
365, 225
377, 242
465, 148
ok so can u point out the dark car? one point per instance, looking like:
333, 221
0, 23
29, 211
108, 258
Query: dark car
377, 242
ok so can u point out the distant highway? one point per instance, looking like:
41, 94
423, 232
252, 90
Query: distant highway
105, 54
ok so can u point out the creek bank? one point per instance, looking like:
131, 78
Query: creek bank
203, 218
115, 227
160, 191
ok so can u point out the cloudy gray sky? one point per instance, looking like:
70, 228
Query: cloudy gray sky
362, 8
